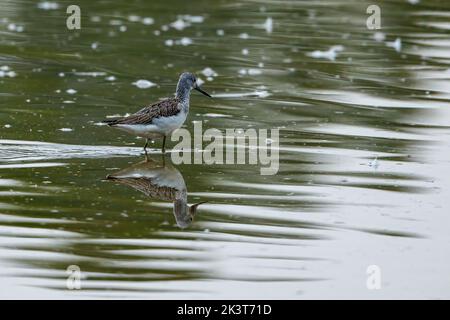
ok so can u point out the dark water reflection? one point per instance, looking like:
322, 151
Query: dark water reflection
162, 181
310, 231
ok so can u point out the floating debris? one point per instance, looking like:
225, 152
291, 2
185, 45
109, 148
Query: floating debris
245, 52
184, 41
267, 25
397, 44
374, 163
185, 21
148, 21
7, 126
379, 36
10, 74
48, 5
193, 19
200, 81
220, 32
331, 54
134, 18
71, 91
115, 22
111, 78
180, 24
15, 27
244, 36
144, 84
65, 129
94, 45
250, 72
208, 72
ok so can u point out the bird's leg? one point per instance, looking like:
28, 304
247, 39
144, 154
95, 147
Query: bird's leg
164, 145
146, 144
145, 150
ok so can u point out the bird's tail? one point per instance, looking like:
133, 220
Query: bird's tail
110, 122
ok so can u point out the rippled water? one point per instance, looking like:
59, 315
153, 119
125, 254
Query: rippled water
364, 150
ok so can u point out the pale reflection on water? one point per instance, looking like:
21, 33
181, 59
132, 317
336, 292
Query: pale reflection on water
364, 144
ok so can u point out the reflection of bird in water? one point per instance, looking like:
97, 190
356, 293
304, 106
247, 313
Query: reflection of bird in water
159, 181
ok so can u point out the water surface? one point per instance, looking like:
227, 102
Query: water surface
341, 95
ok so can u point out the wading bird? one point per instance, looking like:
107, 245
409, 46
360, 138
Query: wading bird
162, 118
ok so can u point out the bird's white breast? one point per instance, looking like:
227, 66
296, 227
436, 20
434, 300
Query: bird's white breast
167, 125
159, 126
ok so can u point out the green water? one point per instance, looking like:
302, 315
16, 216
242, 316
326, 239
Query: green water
310, 231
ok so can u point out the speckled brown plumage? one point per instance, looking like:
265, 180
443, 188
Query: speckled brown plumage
166, 108
150, 189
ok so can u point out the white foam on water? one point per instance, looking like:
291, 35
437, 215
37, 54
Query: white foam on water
331, 54
185, 41
10, 74
180, 24
15, 27
267, 25
134, 18
244, 36
379, 36
193, 19
397, 44
208, 72
144, 84
148, 21
48, 5
200, 81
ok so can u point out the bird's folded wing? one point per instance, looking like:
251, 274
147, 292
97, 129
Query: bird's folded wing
165, 108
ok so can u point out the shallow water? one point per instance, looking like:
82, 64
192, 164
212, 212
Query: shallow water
341, 95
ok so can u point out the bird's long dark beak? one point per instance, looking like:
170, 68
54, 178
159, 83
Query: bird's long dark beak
200, 90
193, 208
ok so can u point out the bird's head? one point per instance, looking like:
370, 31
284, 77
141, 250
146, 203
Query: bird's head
184, 214
189, 81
